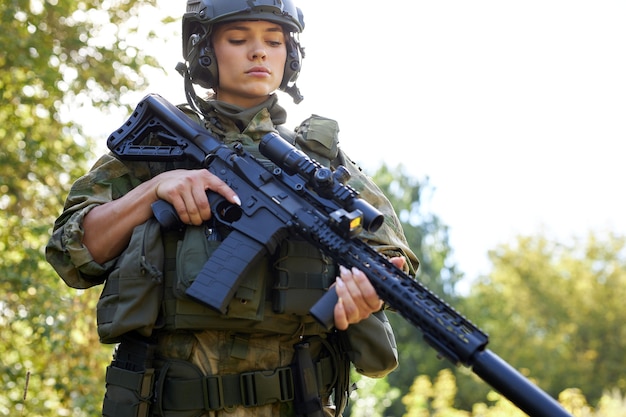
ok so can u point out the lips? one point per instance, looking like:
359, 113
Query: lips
258, 71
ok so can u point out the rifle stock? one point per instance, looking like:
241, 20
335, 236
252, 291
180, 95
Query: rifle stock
301, 197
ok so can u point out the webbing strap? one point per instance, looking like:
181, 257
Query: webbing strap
139, 382
216, 392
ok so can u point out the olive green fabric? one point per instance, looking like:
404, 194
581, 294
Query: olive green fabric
372, 357
319, 137
132, 294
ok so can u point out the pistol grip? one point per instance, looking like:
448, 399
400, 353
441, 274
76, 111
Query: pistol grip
324, 309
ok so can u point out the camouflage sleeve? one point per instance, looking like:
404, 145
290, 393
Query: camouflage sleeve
389, 239
108, 179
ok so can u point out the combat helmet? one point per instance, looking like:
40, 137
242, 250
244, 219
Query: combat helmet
200, 64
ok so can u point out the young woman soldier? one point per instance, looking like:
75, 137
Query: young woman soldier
175, 356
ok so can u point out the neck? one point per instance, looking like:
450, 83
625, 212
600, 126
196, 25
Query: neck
243, 115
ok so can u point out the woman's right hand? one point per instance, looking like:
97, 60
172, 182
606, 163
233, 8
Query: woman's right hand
108, 227
186, 191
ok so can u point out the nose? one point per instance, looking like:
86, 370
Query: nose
258, 51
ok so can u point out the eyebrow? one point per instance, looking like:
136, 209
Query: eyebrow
235, 26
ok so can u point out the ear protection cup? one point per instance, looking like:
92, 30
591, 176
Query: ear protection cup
293, 63
201, 59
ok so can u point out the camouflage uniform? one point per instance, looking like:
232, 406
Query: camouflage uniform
232, 345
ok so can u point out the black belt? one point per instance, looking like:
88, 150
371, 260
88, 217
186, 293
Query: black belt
247, 389
216, 392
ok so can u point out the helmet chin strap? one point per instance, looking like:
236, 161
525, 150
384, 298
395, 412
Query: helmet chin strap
196, 103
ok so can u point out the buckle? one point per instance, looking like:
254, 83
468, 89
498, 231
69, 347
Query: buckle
265, 387
213, 393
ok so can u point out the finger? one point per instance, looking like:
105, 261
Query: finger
196, 200
215, 183
399, 261
181, 208
192, 207
353, 280
341, 321
366, 290
199, 207
351, 309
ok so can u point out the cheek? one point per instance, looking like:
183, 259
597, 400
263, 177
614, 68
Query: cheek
279, 64
226, 60
224, 69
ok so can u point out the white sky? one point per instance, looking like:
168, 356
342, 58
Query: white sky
515, 110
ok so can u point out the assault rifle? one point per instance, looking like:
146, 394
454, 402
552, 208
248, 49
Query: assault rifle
301, 197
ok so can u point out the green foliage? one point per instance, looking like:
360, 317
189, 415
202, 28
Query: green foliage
433, 399
58, 56
372, 398
436, 399
557, 311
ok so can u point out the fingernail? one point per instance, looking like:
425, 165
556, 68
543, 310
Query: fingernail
237, 200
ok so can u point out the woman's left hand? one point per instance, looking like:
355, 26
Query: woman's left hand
357, 297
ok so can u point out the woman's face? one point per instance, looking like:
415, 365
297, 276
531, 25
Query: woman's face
251, 58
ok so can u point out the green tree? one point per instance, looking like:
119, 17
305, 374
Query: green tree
557, 311
57, 57
433, 399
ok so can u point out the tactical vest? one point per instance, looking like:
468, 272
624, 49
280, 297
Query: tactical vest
274, 297
277, 293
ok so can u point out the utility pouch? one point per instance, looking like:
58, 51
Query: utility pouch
192, 254
132, 295
130, 379
303, 274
